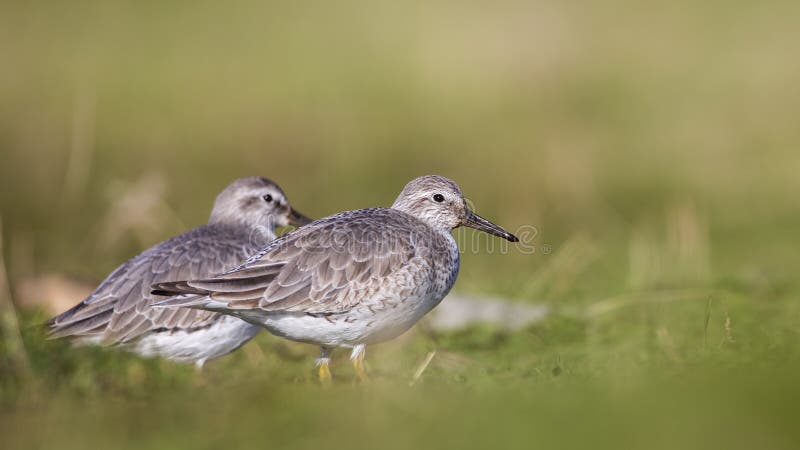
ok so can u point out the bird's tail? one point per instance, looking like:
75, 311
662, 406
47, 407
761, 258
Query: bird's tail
83, 319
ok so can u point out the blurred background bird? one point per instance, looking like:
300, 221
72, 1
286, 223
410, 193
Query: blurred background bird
118, 312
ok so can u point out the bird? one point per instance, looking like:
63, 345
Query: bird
349, 280
117, 313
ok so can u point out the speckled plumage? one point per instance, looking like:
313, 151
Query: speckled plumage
351, 279
118, 312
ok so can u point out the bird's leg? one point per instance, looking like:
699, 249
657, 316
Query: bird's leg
357, 356
323, 363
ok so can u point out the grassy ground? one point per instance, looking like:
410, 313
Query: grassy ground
652, 147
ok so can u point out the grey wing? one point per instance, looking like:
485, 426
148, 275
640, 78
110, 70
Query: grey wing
324, 268
119, 309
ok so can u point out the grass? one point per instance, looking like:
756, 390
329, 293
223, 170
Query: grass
652, 148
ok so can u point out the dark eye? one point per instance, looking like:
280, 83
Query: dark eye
439, 198
268, 198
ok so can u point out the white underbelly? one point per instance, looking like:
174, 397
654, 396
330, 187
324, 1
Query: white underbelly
359, 326
218, 339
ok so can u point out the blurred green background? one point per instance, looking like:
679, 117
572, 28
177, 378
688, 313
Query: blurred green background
653, 146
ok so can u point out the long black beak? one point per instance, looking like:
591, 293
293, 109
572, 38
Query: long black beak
479, 223
297, 219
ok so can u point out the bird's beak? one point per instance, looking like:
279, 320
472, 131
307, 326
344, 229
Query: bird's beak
479, 223
297, 219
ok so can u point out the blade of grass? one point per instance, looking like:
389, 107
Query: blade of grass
9, 322
707, 320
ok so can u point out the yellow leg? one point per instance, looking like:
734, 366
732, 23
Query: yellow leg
359, 366
323, 363
324, 373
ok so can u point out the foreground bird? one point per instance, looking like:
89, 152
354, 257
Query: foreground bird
118, 312
348, 280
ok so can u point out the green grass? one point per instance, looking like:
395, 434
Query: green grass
647, 376
652, 146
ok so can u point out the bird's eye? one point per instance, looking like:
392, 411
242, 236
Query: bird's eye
439, 198
268, 198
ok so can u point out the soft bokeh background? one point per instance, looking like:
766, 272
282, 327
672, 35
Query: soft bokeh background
653, 146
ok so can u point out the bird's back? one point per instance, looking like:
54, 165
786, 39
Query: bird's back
118, 310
